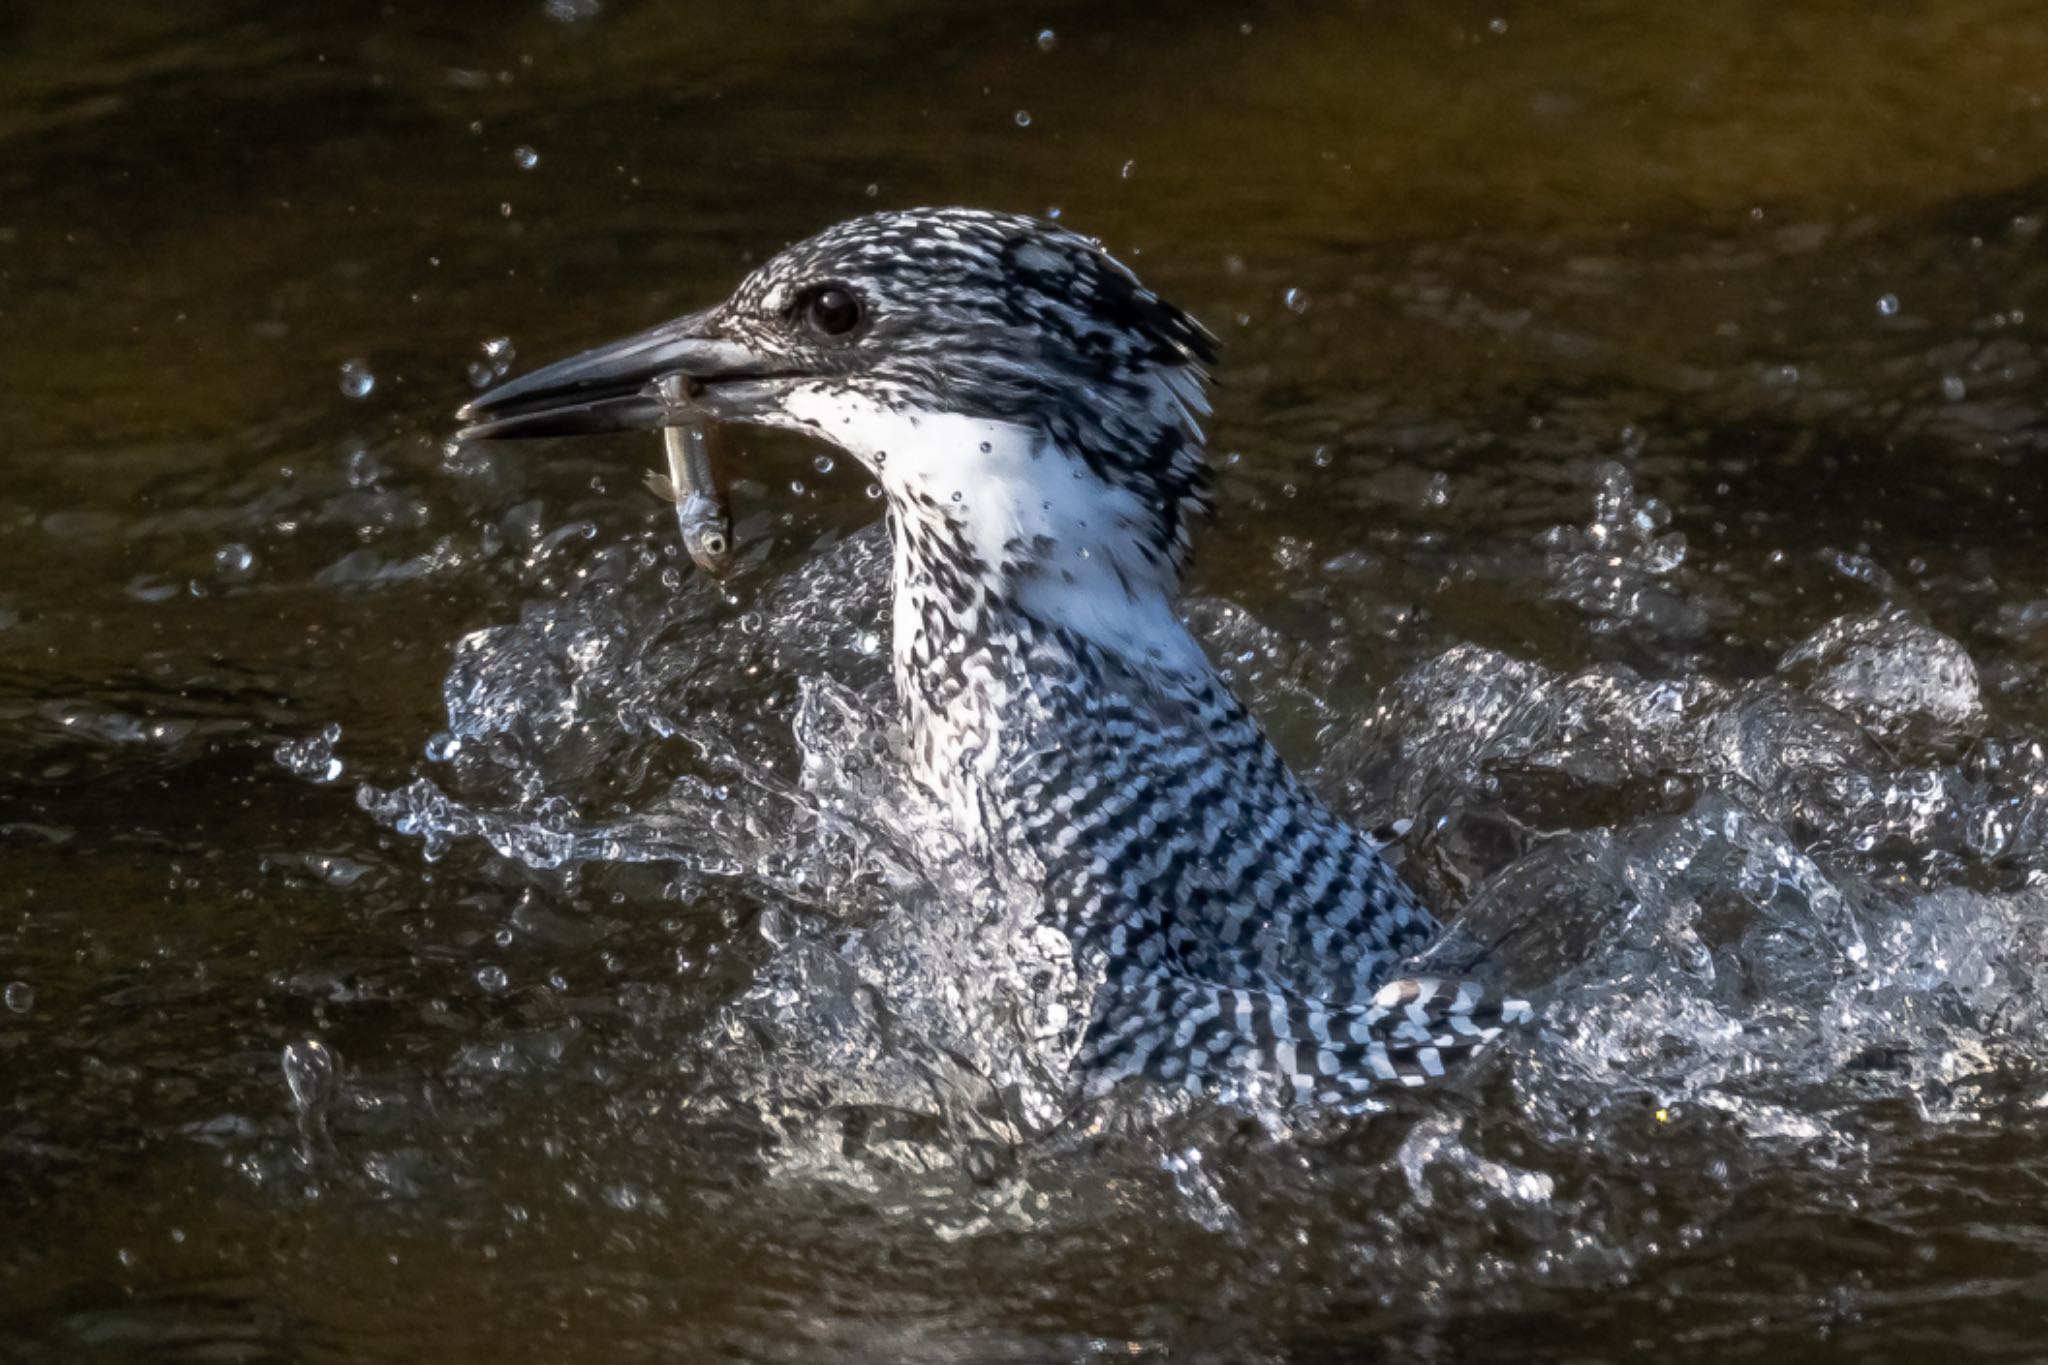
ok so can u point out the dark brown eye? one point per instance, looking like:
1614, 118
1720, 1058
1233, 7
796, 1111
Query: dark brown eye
832, 312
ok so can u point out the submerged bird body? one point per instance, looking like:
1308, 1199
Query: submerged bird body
1033, 415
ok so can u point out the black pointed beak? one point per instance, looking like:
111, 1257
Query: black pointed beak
616, 387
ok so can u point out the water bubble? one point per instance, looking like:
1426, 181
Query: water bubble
492, 979
1047, 40
823, 464
1888, 305
1023, 117
1296, 300
874, 490
525, 158
356, 379
234, 560
1953, 388
19, 997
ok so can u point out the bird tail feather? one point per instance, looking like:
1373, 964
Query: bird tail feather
1233, 1042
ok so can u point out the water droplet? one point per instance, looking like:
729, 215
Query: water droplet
1023, 117
1125, 173
312, 1072
796, 486
958, 495
1296, 300
1321, 457
525, 158
986, 447
234, 560
1888, 305
492, 979
1782, 376
364, 469
873, 189
1953, 388
1496, 26
823, 464
356, 379
874, 491
1047, 40
312, 759
19, 996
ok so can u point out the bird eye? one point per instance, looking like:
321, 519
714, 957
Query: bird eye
832, 312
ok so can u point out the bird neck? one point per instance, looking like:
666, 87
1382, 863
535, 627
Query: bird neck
1010, 559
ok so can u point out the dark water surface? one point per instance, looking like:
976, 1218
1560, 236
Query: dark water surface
1633, 454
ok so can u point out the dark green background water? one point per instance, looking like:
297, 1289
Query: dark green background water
1783, 261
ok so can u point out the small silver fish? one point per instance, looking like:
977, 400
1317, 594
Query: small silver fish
695, 484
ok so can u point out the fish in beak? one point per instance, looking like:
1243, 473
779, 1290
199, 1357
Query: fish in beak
678, 378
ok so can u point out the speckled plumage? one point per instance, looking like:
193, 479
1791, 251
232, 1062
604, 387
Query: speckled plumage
1034, 415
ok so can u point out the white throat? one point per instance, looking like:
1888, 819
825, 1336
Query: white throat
1072, 550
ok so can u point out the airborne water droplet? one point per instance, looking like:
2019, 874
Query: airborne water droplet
356, 379
234, 560
1047, 40
312, 1072
1888, 305
1954, 389
20, 996
525, 158
1023, 117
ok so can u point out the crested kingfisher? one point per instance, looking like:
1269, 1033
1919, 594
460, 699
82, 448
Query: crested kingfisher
1033, 415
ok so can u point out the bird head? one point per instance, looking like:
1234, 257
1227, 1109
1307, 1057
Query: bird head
1007, 382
